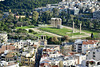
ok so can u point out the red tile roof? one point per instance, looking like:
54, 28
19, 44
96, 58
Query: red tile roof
9, 47
44, 49
10, 55
55, 66
44, 64
72, 53
90, 42
34, 45
48, 50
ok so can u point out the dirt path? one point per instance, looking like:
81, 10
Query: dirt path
49, 33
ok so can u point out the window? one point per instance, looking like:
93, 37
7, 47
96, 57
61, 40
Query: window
97, 50
98, 63
26, 59
79, 44
26, 63
93, 55
93, 52
88, 52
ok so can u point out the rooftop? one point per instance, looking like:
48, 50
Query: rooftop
90, 42
10, 55
6, 47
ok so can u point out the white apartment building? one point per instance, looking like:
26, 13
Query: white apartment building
52, 56
94, 55
82, 46
23, 43
75, 59
78, 45
89, 44
9, 64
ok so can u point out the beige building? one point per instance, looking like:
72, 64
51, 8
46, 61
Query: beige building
21, 16
67, 47
9, 56
28, 60
28, 57
55, 22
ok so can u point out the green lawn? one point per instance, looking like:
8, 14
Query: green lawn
88, 31
31, 26
61, 32
39, 34
25, 27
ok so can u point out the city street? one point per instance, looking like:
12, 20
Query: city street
38, 57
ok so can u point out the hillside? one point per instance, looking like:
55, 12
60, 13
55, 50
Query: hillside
25, 4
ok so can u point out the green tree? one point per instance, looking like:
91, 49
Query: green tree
46, 16
88, 25
55, 12
35, 16
54, 39
1, 12
31, 31
20, 19
24, 5
98, 36
65, 38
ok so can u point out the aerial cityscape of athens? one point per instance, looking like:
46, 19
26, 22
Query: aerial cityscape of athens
49, 33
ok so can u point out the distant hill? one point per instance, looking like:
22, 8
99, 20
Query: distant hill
24, 4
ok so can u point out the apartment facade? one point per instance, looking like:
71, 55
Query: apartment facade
81, 46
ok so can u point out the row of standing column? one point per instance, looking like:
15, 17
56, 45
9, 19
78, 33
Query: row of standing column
74, 27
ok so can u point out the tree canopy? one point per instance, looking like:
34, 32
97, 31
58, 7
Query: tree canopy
25, 4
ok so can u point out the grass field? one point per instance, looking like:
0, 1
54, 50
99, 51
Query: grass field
88, 31
40, 33
25, 27
37, 34
61, 32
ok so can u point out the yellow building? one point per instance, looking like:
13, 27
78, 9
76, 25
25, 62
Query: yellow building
28, 58
21, 16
